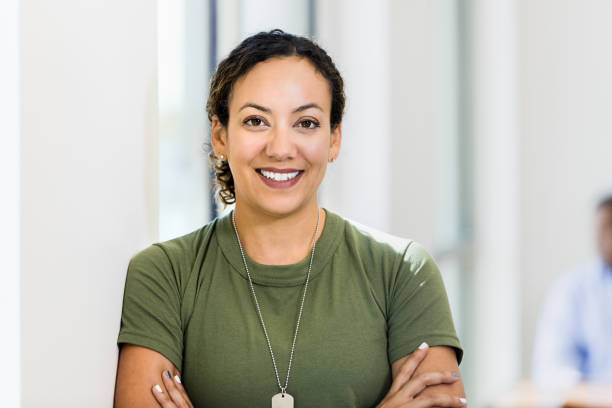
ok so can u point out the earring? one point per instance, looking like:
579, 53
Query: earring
331, 159
221, 157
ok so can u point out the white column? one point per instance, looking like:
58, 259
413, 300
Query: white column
423, 124
494, 356
9, 204
356, 35
88, 187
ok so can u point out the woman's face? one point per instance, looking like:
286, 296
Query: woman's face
278, 139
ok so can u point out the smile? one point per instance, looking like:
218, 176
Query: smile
279, 176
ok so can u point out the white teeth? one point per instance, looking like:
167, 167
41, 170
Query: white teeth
279, 176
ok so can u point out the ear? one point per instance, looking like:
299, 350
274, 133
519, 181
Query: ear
218, 137
335, 141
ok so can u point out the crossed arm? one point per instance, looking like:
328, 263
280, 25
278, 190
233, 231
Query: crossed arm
139, 370
426, 378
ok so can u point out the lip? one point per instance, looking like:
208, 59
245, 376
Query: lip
275, 170
280, 184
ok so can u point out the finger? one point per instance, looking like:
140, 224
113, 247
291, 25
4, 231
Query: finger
179, 385
424, 380
408, 368
439, 400
178, 397
162, 398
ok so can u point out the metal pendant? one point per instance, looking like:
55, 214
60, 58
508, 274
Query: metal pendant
282, 401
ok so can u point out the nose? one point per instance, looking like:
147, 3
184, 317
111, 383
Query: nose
280, 145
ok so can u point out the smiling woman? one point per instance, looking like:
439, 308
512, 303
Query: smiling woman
282, 302
286, 130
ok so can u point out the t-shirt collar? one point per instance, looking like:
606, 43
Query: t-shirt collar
279, 275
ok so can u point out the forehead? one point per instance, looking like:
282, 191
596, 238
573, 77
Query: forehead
282, 84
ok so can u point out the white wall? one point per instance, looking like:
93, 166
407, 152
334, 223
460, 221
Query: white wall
413, 37
259, 15
495, 277
88, 187
566, 141
9, 204
357, 184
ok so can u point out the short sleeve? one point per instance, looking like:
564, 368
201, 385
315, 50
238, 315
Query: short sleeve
151, 305
419, 309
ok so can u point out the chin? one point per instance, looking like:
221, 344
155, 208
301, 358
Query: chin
282, 206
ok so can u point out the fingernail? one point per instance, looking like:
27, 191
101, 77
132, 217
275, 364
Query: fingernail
456, 375
177, 379
423, 346
168, 374
158, 388
463, 400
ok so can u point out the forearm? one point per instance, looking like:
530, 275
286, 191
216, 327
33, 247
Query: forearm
138, 370
442, 359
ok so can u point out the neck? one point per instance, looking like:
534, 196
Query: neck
278, 240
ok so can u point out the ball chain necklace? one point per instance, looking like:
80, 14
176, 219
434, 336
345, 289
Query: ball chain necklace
282, 399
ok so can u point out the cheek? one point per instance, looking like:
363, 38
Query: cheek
315, 153
605, 239
244, 147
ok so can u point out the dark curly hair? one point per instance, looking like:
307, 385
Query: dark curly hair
254, 49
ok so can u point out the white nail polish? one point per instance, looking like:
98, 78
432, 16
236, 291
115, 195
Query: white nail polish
158, 388
177, 379
463, 400
423, 346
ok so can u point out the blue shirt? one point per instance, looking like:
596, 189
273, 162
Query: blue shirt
574, 336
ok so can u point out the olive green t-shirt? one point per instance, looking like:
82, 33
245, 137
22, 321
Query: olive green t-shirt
372, 299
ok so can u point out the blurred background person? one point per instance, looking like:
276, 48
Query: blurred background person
574, 335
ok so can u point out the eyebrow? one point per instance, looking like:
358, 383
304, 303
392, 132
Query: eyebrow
268, 110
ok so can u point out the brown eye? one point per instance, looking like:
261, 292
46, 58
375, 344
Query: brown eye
255, 122
309, 124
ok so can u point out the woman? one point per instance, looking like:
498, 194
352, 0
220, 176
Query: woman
282, 302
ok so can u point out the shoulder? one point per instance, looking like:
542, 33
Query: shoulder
179, 247
189, 244
363, 235
170, 259
577, 280
377, 246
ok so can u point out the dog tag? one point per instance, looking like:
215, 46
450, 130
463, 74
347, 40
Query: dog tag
282, 401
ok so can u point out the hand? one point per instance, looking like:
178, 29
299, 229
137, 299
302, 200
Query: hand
174, 395
406, 387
